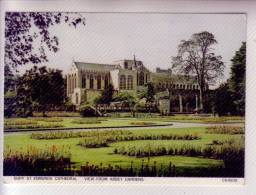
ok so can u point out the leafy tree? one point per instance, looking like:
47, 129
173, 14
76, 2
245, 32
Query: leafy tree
41, 88
126, 98
9, 80
223, 100
237, 79
148, 92
23, 29
195, 57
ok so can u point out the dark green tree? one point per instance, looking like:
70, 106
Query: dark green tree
223, 100
237, 79
106, 96
41, 88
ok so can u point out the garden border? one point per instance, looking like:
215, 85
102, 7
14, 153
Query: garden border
82, 128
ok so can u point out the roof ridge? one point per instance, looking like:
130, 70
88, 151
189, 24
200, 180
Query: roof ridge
94, 63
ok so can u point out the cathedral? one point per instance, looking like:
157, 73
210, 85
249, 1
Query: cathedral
175, 93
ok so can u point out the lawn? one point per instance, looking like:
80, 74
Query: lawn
75, 122
105, 155
79, 122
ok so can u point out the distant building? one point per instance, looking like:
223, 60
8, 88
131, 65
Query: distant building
85, 81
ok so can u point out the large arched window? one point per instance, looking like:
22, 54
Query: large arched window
122, 82
83, 81
91, 81
141, 78
106, 82
130, 82
98, 82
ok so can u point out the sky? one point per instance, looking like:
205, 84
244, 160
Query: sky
152, 38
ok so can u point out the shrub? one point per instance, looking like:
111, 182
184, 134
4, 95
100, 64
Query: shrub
225, 130
142, 123
88, 121
50, 119
88, 111
57, 114
48, 161
218, 152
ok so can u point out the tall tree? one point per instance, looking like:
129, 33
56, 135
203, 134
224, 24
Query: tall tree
23, 29
195, 57
223, 100
237, 79
41, 89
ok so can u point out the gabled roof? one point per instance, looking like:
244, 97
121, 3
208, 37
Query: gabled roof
95, 67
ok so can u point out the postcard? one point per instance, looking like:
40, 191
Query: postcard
125, 98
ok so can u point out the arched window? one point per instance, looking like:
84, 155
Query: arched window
91, 81
106, 82
141, 78
98, 82
130, 82
83, 81
122, 82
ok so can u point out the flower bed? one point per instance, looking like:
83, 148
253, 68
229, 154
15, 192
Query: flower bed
231, 130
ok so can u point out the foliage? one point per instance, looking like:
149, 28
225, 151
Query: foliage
23, 29
50, 119
49, 161
87, 110
231, 130
237, 80
211, 151
32, 124
223, 100
125, 97
69, 106
148, 92
87, 121
36, 89
75, 134
104, 141
57, 114
106, 95
142, 123
195, 57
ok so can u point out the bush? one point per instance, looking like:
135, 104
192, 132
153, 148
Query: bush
48, 161
88, 121
231, 130
89, 111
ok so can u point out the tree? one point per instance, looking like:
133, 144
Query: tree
23, 29
195, 57
40, 89
237, 79
148, 93
125, 97
223, 100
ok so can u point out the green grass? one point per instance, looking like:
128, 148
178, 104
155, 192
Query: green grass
76, 122
81, 155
